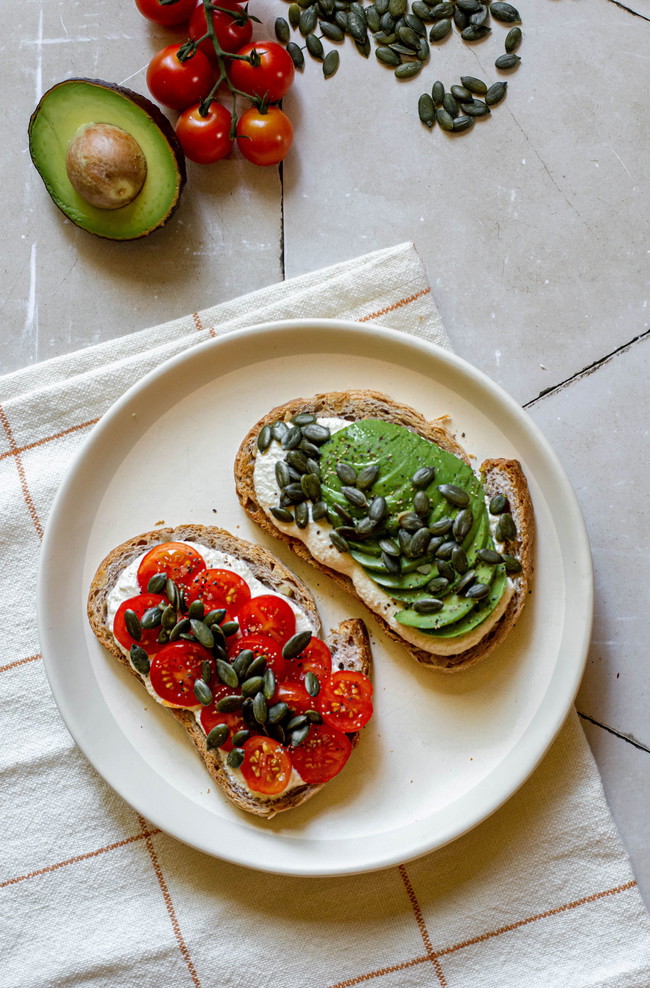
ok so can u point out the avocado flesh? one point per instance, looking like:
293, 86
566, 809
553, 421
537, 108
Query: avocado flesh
399, 453
68, 105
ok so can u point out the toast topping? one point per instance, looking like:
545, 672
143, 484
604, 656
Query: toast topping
406, 520
205, 635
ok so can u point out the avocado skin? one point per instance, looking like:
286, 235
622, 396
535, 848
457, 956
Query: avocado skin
168, 136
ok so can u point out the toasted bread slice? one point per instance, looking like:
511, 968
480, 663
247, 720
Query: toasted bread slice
497, 475
348, 643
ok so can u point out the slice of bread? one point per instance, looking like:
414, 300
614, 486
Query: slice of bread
349, 643
497, 475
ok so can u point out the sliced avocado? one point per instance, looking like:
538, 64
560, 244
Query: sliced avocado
454, 607
64, 111
480, 612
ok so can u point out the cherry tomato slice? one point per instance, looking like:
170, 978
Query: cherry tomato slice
260, 645
149, 638
210, 716
232, 32
295, 696
316, 658
174, 670
270, 78
345, 700
219, 588
179, 84
267, 615
167, 14
266, 766
321, 755
179, 561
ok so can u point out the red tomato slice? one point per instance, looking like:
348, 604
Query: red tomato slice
179, 561
267, 615
295, 696
266, 766
174, 670
149, 640
321, 755
260, 645
316, 658
219, 588
210, 716
345, 701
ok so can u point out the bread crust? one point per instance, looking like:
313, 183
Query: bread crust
498, 475
349, 642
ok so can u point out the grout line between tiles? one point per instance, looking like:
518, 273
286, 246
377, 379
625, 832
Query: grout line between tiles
635, 13
282, 247
629, 738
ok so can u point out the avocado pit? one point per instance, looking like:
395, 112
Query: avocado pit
106, 165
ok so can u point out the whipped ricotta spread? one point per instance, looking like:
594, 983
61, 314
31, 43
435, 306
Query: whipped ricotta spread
127, 586
316, 537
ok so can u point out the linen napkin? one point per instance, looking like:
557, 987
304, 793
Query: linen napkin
541, 894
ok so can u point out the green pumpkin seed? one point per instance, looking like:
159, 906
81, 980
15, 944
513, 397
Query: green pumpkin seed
381, 6
277, 712
499, 503
474, 85
511, 564
268, 683
296, 644
278, 429
260, 708
299, 721
422, 501
506, 528
311, 487
377, 509
508, 61
389, 546
346, 473
151, 618
227, 674
296, 458
303, 418
235, 758
299, 735
437, 92
229, 628
445, 120
339, 542
424, 51
513, 39
460, 93
315, 46
308, 21
490, 556
423, 477
419, 543
408, 70
283, 34
196, 610
438, 585
415, 23
228, 704
294, 493
442, 527
282, 514
316, 433
218, 736
301, 515
440, 31
504, 12
331, 31
409, 37
367, 477
459, 560
454, 494
428, 605
421, 10
215, 617
252, 685
313, 717
292, 437
294, 15
202, 633
450, 105
403, 49
206, 671
357, 26
466, 582
173, 594
391, 563
330, 63
480, 17
463, 524
157, 583
445, 550
475, 33
319, 511
202, 692
139, 660
132, 623
477, 108
397, 8
477, 591
441, 11
372, 19
168, 617
446, 570
354, 496
239, 737
298, 59
463, 123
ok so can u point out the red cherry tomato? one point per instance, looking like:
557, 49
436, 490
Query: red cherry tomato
232, 32
179, 84
210, 716
295, 696
267, 615
264, 138
321, 755
266, 766
271, 78
149, 638
205, 137
174, 670
179, 561
260, 645
219, 588
345, 701
316, 658
167, 14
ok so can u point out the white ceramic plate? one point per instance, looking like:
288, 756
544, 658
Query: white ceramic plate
442, 752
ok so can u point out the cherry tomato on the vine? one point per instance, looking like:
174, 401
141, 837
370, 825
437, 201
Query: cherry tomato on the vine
179, 84
231, 32
271, 78
264, 138
167, 14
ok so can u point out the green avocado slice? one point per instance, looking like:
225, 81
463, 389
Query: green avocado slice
479, 614
71, 104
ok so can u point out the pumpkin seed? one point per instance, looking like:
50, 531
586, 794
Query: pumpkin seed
377, 509
475, 33
311, 487
202, 692
283, 34
468, 579
381, 6
477, 108
303, 418
440, 30
252, 685
315, 46
181, 628
282, 474
330, 63
409, 37
227, 674
301, 515
132, 622
217, 736
239, 737
438, 585
298, 721
422, 501
277, 712
319, 511
168, 618
157, 583
504, 12
151, 618
229, 703
298, 736
202, 633
294, 15
331, 31
139, 660
423, 477
397, 8
367, 477
506, 528
461, 19
372, 19
499, 503
421, 10
460, 93
282, 514
387, 56
445, 120
459, 560
477, 591
295, 53
511, 564
391, 563
428, 605
450, 105
419, 543
278, 429
474, 85
173, 594
389, 546
513, 39
206, 671
468, 6
346, 473
445, 550
297, 459
326, 7
415, 23
268, 683
235, 757
260, 708
357, 26
446, 570
354, 496
463, 524
403, 49
313, 717
215, 617
316, 433
463, 122
408, 70
507, 61
437, 92
292, 437
454, 494
480, 17
312, 684
307, 23
296, 644
294, 493
339, 542
424, 51
442, 526
490, 556
229, 628
442, 10
404, 539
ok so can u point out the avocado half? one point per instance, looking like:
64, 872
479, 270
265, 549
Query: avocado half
75, 103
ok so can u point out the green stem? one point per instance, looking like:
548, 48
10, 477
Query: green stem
222, 57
